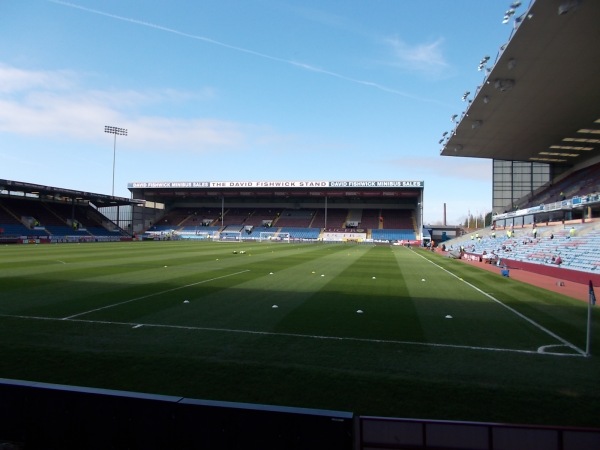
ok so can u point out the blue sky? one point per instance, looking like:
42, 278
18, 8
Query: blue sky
244, 90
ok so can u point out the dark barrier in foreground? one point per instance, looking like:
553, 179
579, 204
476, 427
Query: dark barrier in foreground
384, 433
54, 417
49, 417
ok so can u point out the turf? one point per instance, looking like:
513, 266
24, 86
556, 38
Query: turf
113, 315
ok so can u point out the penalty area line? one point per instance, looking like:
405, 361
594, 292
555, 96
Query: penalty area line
514, 311
152, 295
138, 325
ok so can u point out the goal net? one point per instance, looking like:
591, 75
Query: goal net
274, 236
229, 236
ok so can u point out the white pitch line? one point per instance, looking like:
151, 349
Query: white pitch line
514, 311
150, 295
295, 335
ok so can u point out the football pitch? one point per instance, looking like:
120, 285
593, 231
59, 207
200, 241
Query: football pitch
374, 330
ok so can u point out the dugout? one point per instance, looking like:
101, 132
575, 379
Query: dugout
442, 233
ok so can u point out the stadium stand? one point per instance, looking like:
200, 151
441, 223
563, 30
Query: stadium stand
370, 218
26, 217
301, 223
335, 218
301, 233
581, 183
572, 248
393, 235
397, 219
261, 216
298, 218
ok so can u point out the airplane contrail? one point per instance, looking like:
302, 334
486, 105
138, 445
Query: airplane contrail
208, 40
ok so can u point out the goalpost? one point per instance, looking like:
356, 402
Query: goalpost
274, 236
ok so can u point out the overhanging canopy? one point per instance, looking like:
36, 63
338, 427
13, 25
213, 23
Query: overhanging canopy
541, 100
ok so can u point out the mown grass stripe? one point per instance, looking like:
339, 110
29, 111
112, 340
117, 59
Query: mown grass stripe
113, 305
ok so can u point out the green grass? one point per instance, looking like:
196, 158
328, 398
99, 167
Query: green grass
113, 316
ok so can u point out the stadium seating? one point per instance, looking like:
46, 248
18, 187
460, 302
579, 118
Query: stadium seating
259, 216
301, 223
370, 218
298, 218
301, 233
161, 227
579, 252
54, 219
12, 229
393, 235
32, 218
336, 218
580, 183
396, 219
256, 230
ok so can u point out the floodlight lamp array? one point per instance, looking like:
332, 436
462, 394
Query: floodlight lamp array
115, 130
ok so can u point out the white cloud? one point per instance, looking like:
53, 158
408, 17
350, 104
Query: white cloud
14, 80
452, 185
425, 57
55, 105
447, 167
191, 134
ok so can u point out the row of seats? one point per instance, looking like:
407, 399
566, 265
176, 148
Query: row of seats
25, 217
7, 230
298, 218
255, 233
577, 249
579, 183
393, 235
